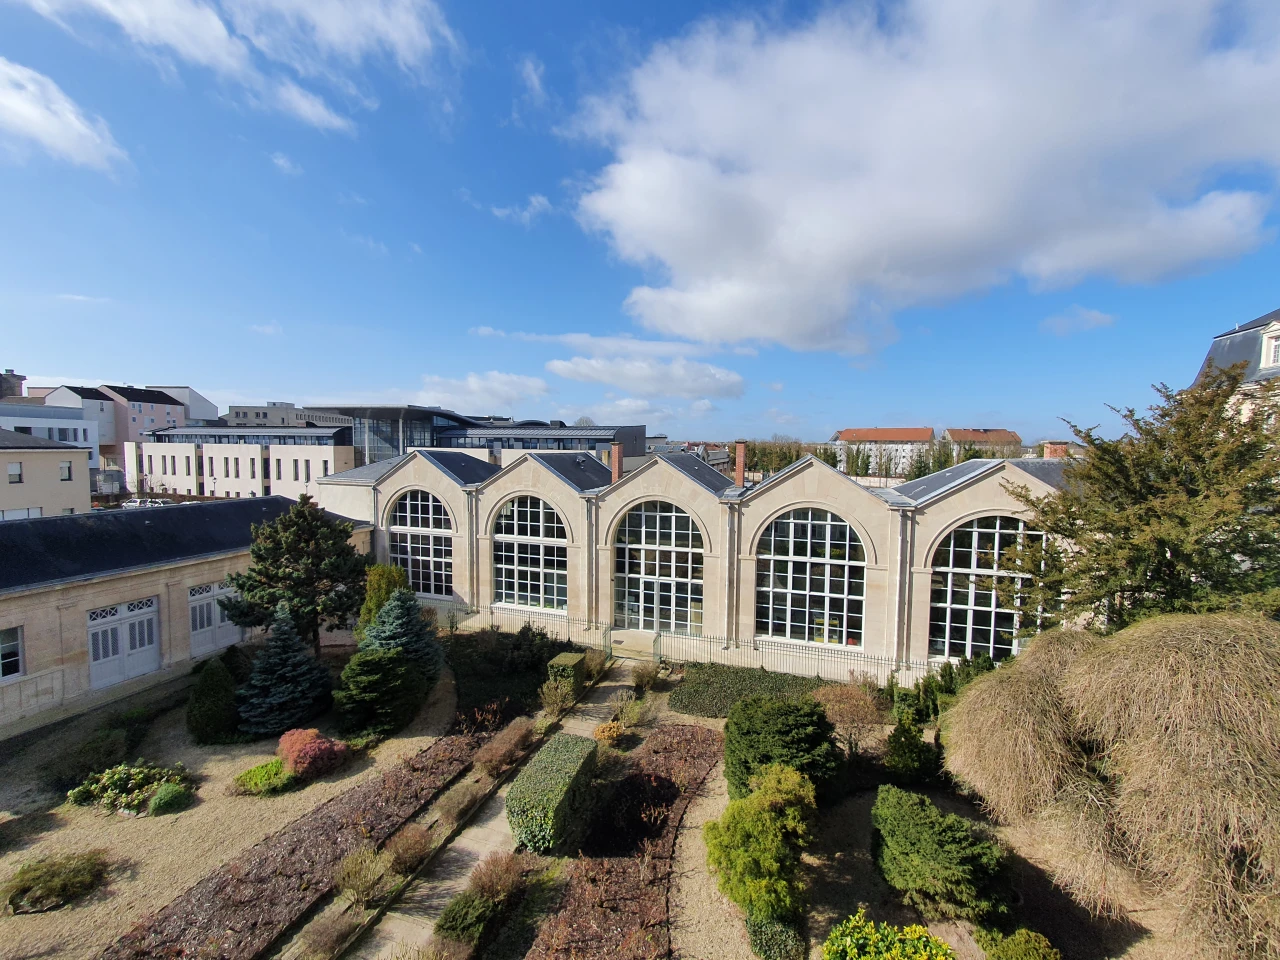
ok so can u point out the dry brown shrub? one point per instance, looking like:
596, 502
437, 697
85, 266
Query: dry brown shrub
434, 949
453, 806
326, 934
499, 877
409, 847
362, 876
505, 746
1078, 831
594, 663
855, 713
644, 676
1053, 651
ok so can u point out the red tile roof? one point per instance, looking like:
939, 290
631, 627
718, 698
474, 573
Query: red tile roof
886, 435
988, 436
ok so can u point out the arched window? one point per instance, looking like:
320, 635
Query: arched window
657, 571
965, 616
530, 560
426, 556
810, 579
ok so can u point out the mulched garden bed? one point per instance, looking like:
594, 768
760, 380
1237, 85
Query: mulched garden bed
245, 905
618, 906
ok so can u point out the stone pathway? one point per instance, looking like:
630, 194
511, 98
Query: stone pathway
410, 921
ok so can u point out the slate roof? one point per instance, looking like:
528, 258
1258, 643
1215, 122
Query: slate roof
56, 549
698, 471
143, 395
13, 440
88, 393
370, 473
1243, 345
926, 488
581, 471
1051, 471
462, 467
523, 430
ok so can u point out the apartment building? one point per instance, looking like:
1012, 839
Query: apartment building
279, 413
1256, 345
41, 478
63, 424
891, 449
992, 441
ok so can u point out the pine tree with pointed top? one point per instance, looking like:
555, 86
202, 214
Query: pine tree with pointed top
288, 686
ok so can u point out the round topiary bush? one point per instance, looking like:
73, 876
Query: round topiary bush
308, 754
771, 940
212, 716
1024, 945
860, 939
764, 730
170, 798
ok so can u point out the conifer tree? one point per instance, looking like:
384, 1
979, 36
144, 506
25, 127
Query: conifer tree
381, 691
382, 580
400, 625
287, 687
303, 559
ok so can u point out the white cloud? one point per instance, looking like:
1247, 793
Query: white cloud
415, 248
777, 386
700, 408
652, 377
82, 298
248, 41
531, 70
285, 165
594, 345
537, 205
348, 199
266, 330
1075, 320
375, 247
35, 110
481, 393
796, 185
782, 416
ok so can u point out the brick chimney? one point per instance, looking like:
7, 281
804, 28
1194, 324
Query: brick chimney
1054, 450
615, 460
740, 465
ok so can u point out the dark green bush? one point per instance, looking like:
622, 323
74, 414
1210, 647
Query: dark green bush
238, 662
100, 751
764, 730
128, 786
571, 667
400, 625
50, 882
380, 691
266, 779
212, 716
287, 687
772, 940
170, 798
1023, 944
907, 757
503, 668
953, 677
466, 916
709, 689
940, 863
549, 799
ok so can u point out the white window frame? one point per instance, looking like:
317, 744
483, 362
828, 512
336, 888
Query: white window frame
530, 555
658, 558
15, 645
420, 540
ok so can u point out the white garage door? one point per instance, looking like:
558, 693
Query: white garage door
210, 628
123, 641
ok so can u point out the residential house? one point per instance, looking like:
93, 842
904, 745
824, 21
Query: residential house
40, 477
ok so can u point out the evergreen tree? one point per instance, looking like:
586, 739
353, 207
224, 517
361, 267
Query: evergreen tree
401, 626
1176, 516
380, 692
303, 559
288, 686
828, 456
382, 580
211, 710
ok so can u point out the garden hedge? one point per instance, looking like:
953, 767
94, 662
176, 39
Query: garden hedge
571, 667
938, 861
710, 689
547, 802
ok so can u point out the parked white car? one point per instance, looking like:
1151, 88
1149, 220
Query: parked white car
145, 502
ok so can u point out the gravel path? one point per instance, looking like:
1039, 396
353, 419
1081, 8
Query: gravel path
705, 924
164, 856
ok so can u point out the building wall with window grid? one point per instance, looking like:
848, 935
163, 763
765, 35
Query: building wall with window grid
810, 579
965, 616
658, 570
426, 558
527, 572
10, 652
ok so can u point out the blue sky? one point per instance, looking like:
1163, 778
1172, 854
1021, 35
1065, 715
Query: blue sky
716, 219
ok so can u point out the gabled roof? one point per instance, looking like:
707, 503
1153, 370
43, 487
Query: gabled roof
885, 435
935, 484
581, 471
1243, 345
143, 395
462, 468
698, 471
56, 549
986, 435
13, 440
1051, 471
369, 474
1263, 321
88, 393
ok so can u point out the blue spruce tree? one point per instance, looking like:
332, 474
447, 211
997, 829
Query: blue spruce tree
288, 686
399, 625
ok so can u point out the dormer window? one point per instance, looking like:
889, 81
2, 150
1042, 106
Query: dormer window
1272, 352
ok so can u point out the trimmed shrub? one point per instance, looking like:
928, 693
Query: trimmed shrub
324, 935
381, 580
50, 882
771, 940
557, 697
938, 861
457, 801
548, 801
710, 689
170, 798
287, 687
754, 849
265, 779
128, 787
239, 663
643, 677
411, 845
505, 747
360, 876
907, 757
608, 731
571, 667
543, 725
466, 916
379, 693
860, 939
498, 877
308, 755
594, 663
630, 711
1023, 944
104, 749
212, 716
764, 730
400, 625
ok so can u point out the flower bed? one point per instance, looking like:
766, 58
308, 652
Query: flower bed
618, 906
241, 908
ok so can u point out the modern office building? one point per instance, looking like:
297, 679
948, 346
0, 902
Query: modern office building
40, 477
231, 462
280, 413
384, 431
676, 549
